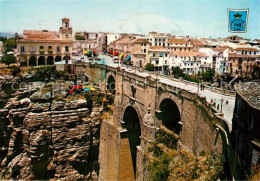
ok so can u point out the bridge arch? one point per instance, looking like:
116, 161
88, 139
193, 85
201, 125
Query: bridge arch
111, 82
132, 125
169, 112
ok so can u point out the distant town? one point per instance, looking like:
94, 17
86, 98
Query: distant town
119, 106
166, 54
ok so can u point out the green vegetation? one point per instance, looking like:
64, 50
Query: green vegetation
15, 71
208, 75
177, 72
48, 72
10, 43
149, 67
256, 72
80, 38
8, 59
166, 163
159, 168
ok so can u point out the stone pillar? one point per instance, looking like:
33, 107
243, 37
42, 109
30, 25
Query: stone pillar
27, 61
45, 60
148, 134
37, 63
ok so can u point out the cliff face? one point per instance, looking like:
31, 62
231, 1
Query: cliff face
48, 135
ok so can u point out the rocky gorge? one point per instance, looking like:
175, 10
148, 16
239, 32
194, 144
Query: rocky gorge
47, 134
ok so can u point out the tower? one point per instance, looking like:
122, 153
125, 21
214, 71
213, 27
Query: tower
66, 30
65, 23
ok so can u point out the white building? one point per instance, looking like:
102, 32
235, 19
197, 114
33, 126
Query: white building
110, 37
189, 62
157, 39
159, 57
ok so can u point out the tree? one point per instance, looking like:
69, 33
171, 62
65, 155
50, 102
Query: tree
10, 44
80, 38
256, 72
8, 59
208, 75
149, 67
177, 72
16, 71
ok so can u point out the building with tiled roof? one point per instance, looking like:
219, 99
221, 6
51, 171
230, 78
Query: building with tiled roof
241, 60
245, 137
45, 47
175, 44
159, 57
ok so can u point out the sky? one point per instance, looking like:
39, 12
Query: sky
201, 18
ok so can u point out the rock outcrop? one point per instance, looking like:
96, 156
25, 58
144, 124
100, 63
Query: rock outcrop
48, 136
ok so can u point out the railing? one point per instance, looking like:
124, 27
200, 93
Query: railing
32, 52
186, 82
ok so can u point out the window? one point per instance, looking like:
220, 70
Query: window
180, 49
115, 37
32, 49
205, 58
163, 44
58, 48
155, 44
22, 48
191, 64
66, 48
255, 53
66, 24
165, 61
160, 54
185, 64
50, 48
159, 44
153, 54
157, 62
144, 50
166, 54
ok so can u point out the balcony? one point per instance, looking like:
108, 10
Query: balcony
22, 53
50, 51
32, 52
41, 52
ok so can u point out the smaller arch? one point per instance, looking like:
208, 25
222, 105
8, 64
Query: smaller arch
170, 115
32, 61
41, 60
50, 60
111, 84
57, 58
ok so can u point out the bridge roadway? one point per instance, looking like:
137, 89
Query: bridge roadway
228, 102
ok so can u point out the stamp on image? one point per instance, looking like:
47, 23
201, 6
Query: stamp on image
237, 20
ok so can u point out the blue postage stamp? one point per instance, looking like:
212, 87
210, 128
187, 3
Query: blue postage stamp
237, 20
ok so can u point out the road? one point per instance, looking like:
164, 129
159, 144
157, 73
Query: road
228, 102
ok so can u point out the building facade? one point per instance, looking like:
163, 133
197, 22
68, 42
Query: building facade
45, 47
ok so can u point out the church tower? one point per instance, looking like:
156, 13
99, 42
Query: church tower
66, 30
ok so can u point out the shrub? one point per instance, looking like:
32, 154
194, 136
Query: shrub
159, 169
149, 67
15, 71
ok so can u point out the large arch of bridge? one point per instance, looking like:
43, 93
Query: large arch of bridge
169, 109
131, 123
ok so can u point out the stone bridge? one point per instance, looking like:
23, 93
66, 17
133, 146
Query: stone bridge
142, 104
